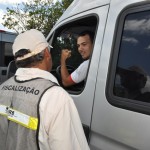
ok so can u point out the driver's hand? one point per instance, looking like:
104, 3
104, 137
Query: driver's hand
65, 54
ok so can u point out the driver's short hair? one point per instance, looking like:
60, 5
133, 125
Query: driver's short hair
87, 32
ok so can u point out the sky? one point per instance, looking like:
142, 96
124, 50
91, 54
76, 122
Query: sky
3, 5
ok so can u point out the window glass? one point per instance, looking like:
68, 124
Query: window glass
8, 49
8, 53
66, 40
65, 37
132, 79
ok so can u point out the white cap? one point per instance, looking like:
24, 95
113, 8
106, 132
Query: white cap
32, 40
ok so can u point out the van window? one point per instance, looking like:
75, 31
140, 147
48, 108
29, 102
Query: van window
65, 37
131, 82
6, 42
8, 53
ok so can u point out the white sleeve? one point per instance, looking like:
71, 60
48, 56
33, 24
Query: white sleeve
80, 73
60, 122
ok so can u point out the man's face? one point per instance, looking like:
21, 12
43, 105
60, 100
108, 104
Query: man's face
85, 46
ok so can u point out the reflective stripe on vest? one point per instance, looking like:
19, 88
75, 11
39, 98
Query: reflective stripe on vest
18, 117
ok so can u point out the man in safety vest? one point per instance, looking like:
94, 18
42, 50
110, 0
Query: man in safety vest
36, 113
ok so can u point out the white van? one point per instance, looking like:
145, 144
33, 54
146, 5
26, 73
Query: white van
114, 100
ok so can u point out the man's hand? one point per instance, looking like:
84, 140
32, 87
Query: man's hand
66, 81
65, 54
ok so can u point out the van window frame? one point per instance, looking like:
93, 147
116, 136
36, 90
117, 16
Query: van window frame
59, 28
124, 103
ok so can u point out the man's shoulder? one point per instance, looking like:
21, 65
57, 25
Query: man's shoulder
84, 63
56, 96
57, 89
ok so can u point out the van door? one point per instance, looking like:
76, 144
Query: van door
121, 113
65, 37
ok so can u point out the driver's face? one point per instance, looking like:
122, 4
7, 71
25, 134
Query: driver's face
85, 46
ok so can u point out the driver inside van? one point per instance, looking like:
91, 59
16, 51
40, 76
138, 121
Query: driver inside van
85, 47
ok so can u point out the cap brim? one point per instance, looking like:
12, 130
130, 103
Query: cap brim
50, 46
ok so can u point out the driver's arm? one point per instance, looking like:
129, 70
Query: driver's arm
66, 78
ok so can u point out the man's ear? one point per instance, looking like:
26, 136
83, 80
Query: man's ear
46, 52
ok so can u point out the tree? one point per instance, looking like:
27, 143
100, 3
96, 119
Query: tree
38, 14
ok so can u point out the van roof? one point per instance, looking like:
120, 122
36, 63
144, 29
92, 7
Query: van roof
78, 6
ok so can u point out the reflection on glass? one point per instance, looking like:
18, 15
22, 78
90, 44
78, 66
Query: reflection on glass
66, 40
133, 71
132, 83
